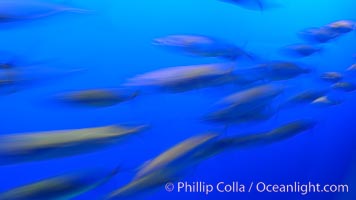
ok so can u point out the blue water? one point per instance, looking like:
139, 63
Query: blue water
114, 43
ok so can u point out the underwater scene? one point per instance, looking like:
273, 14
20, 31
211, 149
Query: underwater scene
177, 99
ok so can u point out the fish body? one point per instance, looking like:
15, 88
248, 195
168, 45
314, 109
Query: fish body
332, 77
27, 147
202, 46
276, 71
342, 26
144, 184
319, 35
289, 130
185, 78
167, 167
238, 115
352, 68
305, 97
97, 97
176, 155
301, 50
326, 101
344, 86
254, 95
246, 106
66, 186
278, 134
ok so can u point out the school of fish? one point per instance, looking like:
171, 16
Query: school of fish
262, 91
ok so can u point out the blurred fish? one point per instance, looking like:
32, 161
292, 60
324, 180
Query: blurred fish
342, 26
241, 141
326, 101
331, 76
319, 35
203, 46
350, 72
166, 167
252, 4
66, 186
27, 147
352, 68
289, 130
301, 50
97, 97
20, 10
255, 95
146, 183
246, 106
238, 115
305, 97
279, 70
344, 86
185, 78
176, 155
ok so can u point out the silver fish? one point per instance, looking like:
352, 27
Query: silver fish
26, 147
344, 86
301, 50
167, 167
176, 155
246, 106
342, 26
332, 77
238, 115
305, 97
202, 46
185, 78
146, 183
319, 35
326, 101
65, 186
255, 95
247, 140
97, 97
352, 68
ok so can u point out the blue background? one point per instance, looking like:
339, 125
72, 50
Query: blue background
114, 44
